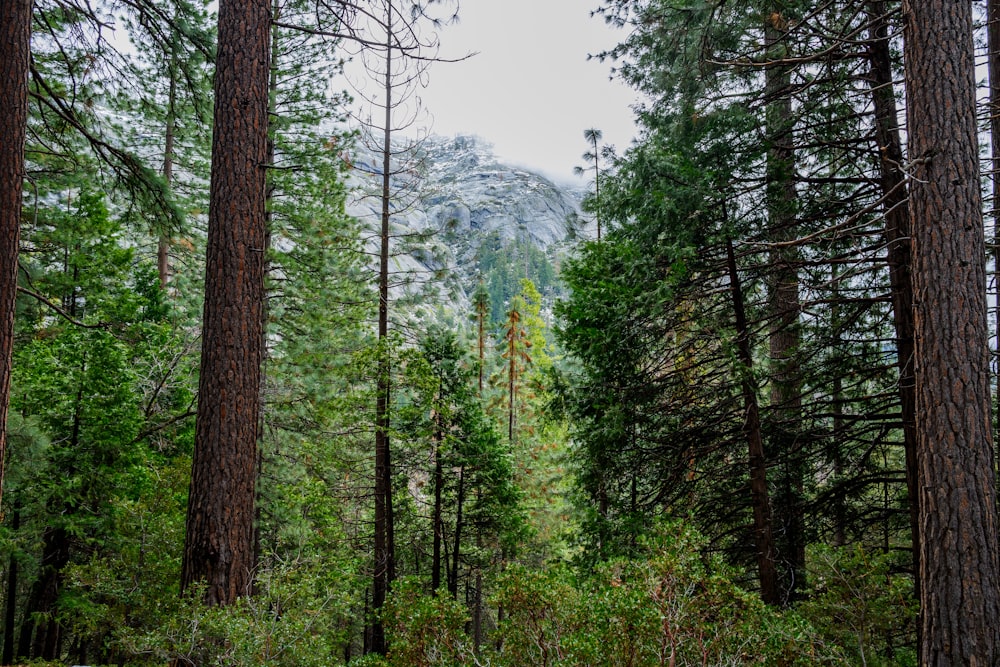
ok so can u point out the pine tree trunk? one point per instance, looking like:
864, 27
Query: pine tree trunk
44, 594
438, 509
15, 52
219, 545
959, 573
993, 49
455, 554
784, 307
897, 236
385, 556
763, 532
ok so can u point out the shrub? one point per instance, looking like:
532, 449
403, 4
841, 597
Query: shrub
858, 603
425, 630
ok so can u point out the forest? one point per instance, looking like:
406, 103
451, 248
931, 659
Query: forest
748, 419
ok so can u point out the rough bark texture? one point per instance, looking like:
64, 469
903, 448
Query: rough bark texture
219, 548
763, 532
958, 556
15, 40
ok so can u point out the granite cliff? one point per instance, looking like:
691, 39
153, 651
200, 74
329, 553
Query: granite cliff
460, 215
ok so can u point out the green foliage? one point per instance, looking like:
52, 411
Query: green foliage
670, 607
859, 603
292, 621
504, 266
425, 630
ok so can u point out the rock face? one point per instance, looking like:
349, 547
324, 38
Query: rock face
483, 195
457, 208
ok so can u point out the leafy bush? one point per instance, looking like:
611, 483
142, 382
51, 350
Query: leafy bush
425, 630
859, 604
293, 621
673, 607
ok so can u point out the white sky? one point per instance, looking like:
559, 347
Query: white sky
530, 90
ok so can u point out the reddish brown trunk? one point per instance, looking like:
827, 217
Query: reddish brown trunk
763, 532
959, 573
219, 548
897, 237
15, 50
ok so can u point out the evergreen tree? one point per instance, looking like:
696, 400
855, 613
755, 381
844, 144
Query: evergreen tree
960, 603
14, 56
219, 544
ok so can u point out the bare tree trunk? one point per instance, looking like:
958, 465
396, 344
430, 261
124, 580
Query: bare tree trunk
15, 52
897, 236
456, 552
959, 569
438, 509
385, 557
219, 545
993, 48
763, 533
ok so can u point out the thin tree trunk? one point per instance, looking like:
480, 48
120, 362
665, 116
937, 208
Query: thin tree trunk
219, 544
763, 533
453, 580
15, 53
512, 374
269, 189
477, 614
385, 558
786, 400
993, 48
959, 568
438, 523
897, 236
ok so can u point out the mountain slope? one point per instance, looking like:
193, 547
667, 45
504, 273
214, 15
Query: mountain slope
461, 215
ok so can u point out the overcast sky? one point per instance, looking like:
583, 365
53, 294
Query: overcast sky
531, 90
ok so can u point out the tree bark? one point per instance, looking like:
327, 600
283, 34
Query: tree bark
438, 509
385, 550
219, 545
763, 532
43, 598
899, 248
15, 52
456, 552
784, 307
959, 575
